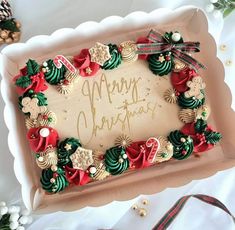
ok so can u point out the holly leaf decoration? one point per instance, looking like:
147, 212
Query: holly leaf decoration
23, 81
200, 126
32, 67
10, 25
212, 137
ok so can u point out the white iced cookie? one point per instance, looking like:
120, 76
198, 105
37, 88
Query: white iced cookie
30, 105
82, 158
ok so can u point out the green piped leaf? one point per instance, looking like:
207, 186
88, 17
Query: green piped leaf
212, 137
23, 81
32, 67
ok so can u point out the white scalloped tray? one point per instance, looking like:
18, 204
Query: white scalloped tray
194, 25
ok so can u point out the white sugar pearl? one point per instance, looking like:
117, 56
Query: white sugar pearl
14, 217
176, 37
44, 132
14, 225
2, 204
210, 8
213, 1
45, 64
3, 210
217, 14
92, 170
14, 209
21, 228
124, 156
23, 220
30, 220
25, 212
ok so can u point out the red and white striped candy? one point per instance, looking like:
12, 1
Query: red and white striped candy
154, 143
60, 60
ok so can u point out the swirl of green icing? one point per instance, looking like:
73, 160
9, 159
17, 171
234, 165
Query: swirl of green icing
53, 182
191, 102
42, 100
115, 60
66, 148
116, 160
182, 145
54, 75
159, 63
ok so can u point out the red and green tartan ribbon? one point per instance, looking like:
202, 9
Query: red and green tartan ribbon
162, 44
169, 217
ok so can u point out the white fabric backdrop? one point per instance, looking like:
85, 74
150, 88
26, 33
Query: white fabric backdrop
44, 17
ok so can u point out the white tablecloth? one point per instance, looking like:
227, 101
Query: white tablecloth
44, 17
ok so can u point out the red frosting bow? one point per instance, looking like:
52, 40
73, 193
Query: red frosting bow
42, 137
199, 140
179, 79
76, 176
38, 83
138, 154
144, 40
83, 62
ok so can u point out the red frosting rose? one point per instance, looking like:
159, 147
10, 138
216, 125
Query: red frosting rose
199, 140
179, 79
138, 154
143, 40
84, 64
76, 176
42, 137
38, 83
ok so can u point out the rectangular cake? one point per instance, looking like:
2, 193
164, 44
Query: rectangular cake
125, 103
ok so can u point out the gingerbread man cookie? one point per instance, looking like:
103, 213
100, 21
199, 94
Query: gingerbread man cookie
195, 85
30, 105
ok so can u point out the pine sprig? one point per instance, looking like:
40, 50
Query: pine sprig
212, 137
10, 25
32, 67
225, 6
5, 222
23, 81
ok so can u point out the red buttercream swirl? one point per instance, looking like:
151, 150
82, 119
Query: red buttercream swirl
83, 62
38, 83
199, 140
39, 143
143, 40
138, 154
76, 176
179, 79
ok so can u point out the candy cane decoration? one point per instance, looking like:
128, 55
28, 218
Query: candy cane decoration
154, 143
60, 60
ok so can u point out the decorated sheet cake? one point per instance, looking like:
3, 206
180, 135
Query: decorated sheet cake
115, 108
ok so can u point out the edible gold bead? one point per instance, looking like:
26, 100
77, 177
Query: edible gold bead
145, 202
134, 207
142, 212
228, 62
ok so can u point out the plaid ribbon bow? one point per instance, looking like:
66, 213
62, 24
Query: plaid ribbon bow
162, 44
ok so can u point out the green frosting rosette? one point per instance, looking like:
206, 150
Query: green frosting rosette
42, 100
161, 64
191, 102
116, 160
53, 75
53, 182
182, 145
115, 60
66, 148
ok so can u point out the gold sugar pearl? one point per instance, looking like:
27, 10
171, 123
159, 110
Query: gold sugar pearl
228, 62
145, 202
142, 212
134, 207
223, 47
